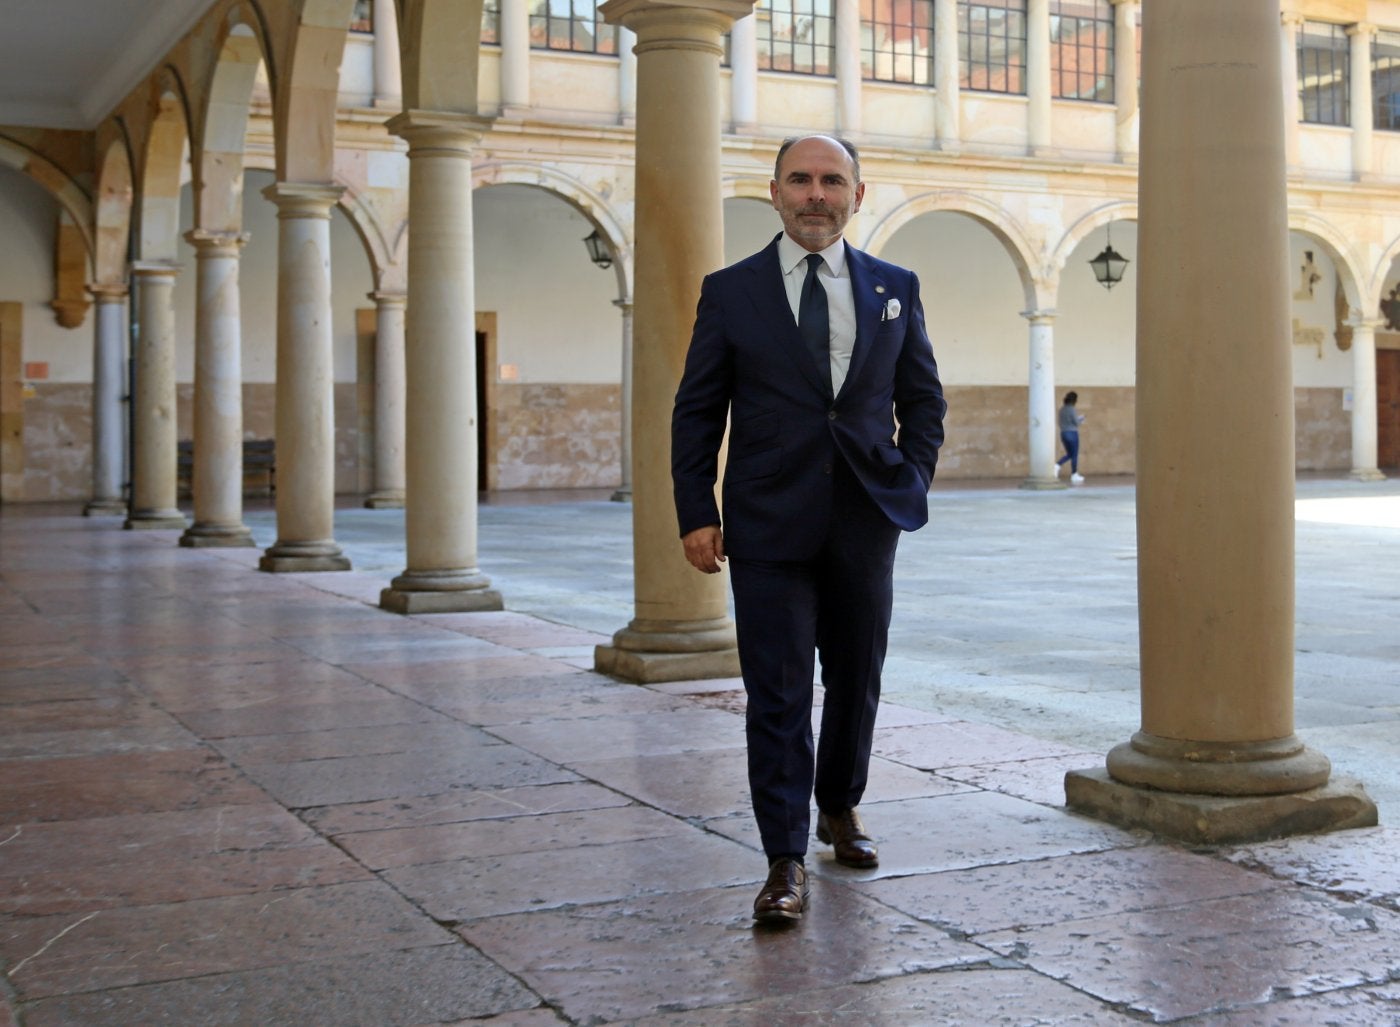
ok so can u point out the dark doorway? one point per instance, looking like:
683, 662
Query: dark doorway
481, 411
1388, 408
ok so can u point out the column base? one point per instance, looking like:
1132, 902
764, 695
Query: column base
460, 591
292, 557
1043, 483
1366, 474
164, 520
388, 499
1276, 766
650, 652
1341, 804
104, 507
622, 495
214, 536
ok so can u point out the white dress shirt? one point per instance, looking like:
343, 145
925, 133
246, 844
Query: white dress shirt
835, 278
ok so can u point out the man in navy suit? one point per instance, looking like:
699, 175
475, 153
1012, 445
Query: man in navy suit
816, 357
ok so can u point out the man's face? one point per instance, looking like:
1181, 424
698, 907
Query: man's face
816, 193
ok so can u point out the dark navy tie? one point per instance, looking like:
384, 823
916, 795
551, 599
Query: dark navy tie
812, 319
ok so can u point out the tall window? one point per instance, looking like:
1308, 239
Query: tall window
1081, 50
897, 41
491, 22
795, 35
1385, 79
362, 19
570, 25
1324, 65
992, 45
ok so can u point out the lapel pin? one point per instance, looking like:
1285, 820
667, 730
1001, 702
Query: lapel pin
879, 288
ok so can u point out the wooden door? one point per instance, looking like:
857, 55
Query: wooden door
1388, 408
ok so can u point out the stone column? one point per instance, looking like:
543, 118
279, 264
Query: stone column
218, 394
1291, 23
627, 76
1040, 401
681, 629
624, 491
440, 503
154, 468
848, 73
1216, 760
1363, 116
108, 388
946, 76
1038, 129
390, 396
1364, 426
743, 67
388, 80
305, 382
515, 58
1125, 79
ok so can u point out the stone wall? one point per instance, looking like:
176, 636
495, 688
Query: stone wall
554, 436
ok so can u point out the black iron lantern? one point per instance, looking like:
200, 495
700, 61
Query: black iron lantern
598, 251
1109, 265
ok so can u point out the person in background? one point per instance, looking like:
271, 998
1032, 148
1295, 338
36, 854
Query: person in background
1070, 420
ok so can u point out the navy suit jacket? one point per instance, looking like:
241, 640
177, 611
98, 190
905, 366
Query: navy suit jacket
748, 365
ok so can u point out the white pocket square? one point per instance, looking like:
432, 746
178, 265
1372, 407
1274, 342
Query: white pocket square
891, 310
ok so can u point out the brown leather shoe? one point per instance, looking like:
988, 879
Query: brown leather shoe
846, 834
784, 895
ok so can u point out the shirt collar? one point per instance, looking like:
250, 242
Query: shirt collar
791, 254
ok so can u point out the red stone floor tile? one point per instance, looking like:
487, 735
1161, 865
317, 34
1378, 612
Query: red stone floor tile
101, 949
195, 660
296, 745
1037, 780
391, 775
684, 950
1365, 1006
557, 696
969, 996
71, 788
469, 889
269, 717
1216, 954
402, 650
458, 806
645, 734
182, 688
516, 630
956, 831
141, 859
477, 839
983, 899
29, 628
1363, 864
38, 684
542, 1017
47, 655
96, 741
395, 988
956, 743
507, 663
111, 711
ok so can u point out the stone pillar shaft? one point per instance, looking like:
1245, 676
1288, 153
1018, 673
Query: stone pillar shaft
1364, 424
1362, 113
515, 57
1216, 759
848, 71
153, 428
218, 394
1290, 25
681, 628
743, 83
624, 491
108, 388
305, 382
1038, 113
440, 506
946, 75
1125, 78
627, 76
388, 77
1040, 400
390, 395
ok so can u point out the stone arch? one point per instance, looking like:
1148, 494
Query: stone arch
305, 105
383, 252
439, 41
113, 214
1106, 213
999, 222
167, 143
588, 202
69, 195
219, 165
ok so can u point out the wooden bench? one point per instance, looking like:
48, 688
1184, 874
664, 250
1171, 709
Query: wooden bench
259, 466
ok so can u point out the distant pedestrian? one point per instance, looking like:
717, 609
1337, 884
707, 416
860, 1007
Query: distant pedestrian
1070, 420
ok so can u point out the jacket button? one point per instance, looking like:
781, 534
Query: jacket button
826, 469
831, 415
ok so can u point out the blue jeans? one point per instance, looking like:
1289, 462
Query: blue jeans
1071, 441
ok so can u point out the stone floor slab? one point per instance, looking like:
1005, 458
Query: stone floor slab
1363, 864
458, 806
1365, 1006
299, 745
1037, 780
573, 741
379, 708
959, 743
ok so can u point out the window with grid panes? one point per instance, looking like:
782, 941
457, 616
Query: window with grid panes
897, 41
796, 35
1385, 79
1081, 50
570, 25
992, 45
1324, 67
491, 22
362, 18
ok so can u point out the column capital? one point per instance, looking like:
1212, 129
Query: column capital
1041, 317
1124, 3
676, 24
109, 292
625, 304
1361, 28
445, 132
208, 242
389, 299
1366, 324
154, 269
304, 199
1292, 19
